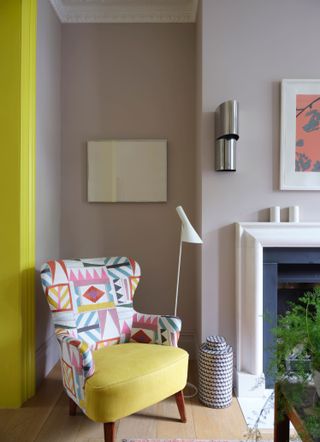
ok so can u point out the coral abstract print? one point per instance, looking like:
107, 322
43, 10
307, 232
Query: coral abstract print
308, 133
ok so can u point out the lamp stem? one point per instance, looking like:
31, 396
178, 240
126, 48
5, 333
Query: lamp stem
178, 276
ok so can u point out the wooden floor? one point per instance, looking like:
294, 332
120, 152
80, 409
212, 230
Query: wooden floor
45, 418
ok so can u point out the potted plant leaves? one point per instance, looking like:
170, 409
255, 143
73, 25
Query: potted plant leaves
297, 350
297, 354
296, 358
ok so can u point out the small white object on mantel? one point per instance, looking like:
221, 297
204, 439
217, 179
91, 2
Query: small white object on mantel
275, 214
294, 214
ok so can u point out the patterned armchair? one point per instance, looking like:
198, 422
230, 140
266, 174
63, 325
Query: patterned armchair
114, 360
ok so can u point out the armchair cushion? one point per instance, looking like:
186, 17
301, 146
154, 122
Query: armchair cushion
123, 371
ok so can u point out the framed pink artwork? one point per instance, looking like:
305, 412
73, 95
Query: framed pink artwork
300, 135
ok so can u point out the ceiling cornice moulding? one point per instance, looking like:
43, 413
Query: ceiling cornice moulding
126, 11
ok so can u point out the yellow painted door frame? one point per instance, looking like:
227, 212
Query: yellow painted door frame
17, 190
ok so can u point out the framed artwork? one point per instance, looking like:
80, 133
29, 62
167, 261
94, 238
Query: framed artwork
300, 135
127, 171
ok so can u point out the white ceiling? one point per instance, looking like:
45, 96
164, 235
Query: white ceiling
126, 11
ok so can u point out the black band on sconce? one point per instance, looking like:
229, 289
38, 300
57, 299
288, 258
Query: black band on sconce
227, 133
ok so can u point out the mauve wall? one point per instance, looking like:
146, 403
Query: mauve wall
248, 47
48, 173
131, 81
198, 168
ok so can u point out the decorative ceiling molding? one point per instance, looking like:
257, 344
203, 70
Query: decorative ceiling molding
126, 11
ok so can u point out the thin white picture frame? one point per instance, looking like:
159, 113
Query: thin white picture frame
290, 179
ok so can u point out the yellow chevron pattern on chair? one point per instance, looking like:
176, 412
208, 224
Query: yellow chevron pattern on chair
114, 360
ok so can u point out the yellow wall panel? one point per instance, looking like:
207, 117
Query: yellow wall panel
17, 17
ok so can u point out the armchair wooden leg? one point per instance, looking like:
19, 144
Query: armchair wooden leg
181, 406
109, 432
72, 407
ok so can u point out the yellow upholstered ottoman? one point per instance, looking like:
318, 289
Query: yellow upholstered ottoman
123, 371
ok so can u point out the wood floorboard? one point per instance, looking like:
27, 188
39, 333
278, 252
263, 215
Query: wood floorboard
169, 424
25, 423
211, 423
45, 418
59, 426
139, 425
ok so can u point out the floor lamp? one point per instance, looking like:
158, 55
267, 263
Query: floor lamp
188, 234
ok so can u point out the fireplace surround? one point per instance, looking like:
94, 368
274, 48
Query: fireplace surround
251, 239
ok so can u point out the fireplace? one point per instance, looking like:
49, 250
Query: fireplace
288, 273
253, 240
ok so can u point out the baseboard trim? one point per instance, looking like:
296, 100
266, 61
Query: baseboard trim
47, 355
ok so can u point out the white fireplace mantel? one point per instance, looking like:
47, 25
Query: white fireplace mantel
251, 238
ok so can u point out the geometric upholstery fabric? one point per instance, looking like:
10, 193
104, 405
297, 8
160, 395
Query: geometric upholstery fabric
91, 301
124, 371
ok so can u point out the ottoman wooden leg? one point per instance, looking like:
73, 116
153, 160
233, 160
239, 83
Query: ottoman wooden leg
109, 432
181, 406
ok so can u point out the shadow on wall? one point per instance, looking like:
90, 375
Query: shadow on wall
226, 287
276, 94
209, 129
263, 215
47, 348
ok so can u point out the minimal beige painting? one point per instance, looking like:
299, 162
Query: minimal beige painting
127, 171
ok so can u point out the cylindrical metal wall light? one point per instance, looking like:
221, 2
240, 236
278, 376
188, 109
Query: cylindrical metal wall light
226, 154
227, 133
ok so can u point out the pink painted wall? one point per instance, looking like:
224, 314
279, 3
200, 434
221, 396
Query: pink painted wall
248, 46
48, 172
131, 81
198, 168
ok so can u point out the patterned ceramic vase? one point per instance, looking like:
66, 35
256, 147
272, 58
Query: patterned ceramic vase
215, 373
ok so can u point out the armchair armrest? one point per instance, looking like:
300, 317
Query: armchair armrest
77, 352
76, 365
156, 329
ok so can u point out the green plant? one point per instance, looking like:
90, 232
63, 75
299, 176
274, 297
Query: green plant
297, 336
296, 354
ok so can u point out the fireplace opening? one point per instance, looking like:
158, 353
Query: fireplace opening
288, 273
290, 293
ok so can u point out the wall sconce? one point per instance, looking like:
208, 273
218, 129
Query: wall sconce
227, 133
